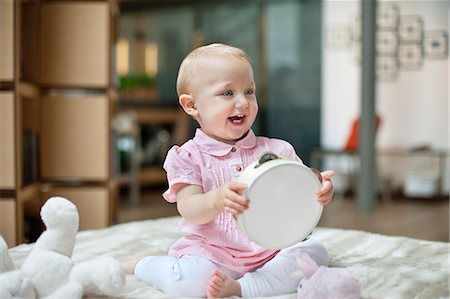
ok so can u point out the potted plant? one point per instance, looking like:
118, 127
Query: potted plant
138, 87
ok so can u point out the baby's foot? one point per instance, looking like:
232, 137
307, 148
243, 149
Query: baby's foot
128, 266
222, 285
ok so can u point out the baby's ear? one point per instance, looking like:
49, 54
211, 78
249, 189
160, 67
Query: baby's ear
188, 104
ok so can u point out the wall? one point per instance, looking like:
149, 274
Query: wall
412, 104
413, 107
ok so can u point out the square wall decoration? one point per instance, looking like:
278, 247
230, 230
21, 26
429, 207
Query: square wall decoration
386, 68
403, 42
410, 29
435, 44
338, 37
387, 15
356, 29
387, 42
357, 52
410, 56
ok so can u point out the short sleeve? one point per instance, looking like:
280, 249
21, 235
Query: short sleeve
181, 169
285, 149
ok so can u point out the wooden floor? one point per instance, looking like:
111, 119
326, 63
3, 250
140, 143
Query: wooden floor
426, 219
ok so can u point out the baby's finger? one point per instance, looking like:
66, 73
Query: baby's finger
235, 207
237, 187
327, 174
327, 186
324, 200
239, 200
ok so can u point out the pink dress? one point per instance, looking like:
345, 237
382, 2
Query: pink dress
209, 163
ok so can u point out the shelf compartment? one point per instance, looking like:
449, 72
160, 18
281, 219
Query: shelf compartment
75, 137
7, 152
7, 40
74, 48
152, 175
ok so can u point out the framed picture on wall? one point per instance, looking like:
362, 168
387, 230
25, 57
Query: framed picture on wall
387, 15
410, 29
386, 68
356, 28
338, 37
410, 56
387, 42
357, 52
435, 44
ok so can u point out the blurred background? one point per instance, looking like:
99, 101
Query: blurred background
88, 106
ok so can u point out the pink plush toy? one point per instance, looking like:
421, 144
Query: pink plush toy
325, 282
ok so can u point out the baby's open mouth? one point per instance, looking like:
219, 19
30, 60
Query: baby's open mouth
237, 119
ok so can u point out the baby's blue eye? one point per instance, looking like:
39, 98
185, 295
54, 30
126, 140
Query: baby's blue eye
228, 93
249, 91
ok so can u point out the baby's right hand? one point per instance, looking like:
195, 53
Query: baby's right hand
230, 197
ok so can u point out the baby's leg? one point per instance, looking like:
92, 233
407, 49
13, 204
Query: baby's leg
282, 274
312, 247
187, 276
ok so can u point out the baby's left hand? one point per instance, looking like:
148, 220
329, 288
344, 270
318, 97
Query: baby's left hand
325, 193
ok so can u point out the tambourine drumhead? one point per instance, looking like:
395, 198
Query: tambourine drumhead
283, 203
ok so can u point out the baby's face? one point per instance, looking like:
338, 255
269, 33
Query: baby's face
224, 95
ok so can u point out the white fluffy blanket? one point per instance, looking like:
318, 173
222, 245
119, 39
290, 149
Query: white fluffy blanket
386, 267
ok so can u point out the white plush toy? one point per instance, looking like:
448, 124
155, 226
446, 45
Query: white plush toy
49, 272
13, 284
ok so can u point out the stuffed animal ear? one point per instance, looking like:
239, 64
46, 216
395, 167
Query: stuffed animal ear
307, 265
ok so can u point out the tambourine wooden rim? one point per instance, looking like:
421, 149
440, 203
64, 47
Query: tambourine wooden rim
283, 202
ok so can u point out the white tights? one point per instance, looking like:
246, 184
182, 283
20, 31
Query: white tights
189, 275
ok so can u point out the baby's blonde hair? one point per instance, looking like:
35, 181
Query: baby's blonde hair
192, 60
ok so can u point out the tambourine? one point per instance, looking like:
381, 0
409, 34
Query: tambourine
283, 202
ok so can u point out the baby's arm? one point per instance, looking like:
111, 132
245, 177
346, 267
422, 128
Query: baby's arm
200, 208
325, 193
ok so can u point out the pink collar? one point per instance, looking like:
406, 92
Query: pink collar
214, 147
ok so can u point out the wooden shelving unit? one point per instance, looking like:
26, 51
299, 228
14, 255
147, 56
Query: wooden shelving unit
56, 95
153, 115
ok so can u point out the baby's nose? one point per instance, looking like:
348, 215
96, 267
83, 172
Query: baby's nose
241, 102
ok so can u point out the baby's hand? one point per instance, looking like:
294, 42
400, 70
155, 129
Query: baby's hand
230, 197
325, 193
